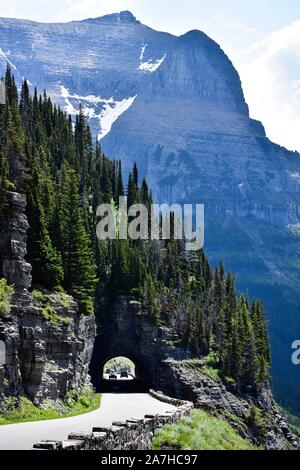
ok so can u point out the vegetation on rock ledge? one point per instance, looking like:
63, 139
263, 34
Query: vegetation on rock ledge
199, 431
6, 293
19, 410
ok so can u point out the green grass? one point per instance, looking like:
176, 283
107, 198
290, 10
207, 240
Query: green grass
207, 366
48, 310
294, 422
40, 297
78, 404
200, 431
211, 372
49, 314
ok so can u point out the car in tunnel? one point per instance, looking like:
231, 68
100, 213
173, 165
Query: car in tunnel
113, 375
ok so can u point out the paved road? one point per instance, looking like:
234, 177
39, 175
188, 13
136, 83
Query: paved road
22, 436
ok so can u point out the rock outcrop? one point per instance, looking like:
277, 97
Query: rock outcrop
44, 359
13, 228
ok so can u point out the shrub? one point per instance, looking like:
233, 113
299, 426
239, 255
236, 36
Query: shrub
40, 297
65, 299
258, 421
50, 315
6, 293
199, 431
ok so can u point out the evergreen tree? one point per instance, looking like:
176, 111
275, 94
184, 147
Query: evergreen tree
262, 342
79, 269
120, 180
44, 258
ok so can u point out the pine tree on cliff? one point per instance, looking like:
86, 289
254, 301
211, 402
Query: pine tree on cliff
11, 88
135, 176
25, 104
262, 342
144, 194
120, 180
79, 268
229, 319
133, 187
249, 376
150, 300
234, 369
13, 137
3, 170
106, 183
131, 191
45, 260
219, 296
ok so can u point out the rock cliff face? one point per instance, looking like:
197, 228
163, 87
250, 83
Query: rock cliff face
176, 106
43, 360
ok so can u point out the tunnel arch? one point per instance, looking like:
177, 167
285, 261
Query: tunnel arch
119, 365
123, 329
141, 382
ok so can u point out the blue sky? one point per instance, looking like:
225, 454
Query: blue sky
262, 38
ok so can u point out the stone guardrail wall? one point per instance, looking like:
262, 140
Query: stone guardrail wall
170, 401
132, 434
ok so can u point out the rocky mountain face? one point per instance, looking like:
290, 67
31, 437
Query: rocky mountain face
43, 360
176, 106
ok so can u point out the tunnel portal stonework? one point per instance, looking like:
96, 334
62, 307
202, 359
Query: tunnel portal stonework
124, 330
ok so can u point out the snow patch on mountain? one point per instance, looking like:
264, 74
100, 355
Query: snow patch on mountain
151, 66
9, 62
143, 49
295, 176
109, 110
69, 108
294, 229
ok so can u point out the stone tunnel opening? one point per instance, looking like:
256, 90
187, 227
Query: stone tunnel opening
119, 368
120, 375
119, 335
123, 373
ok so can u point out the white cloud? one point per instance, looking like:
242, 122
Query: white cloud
271, 79
8, 9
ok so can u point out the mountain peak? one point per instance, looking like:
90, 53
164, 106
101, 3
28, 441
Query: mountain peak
197, 36
122, 17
